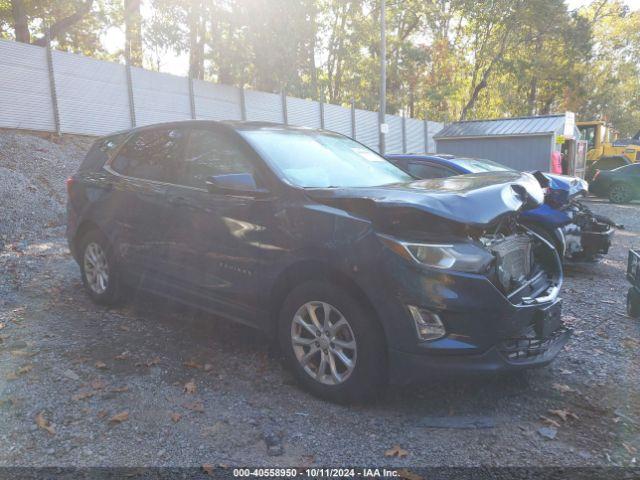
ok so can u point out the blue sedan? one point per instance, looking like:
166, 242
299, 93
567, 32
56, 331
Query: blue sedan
576, 232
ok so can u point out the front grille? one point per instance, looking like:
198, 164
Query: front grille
527, 348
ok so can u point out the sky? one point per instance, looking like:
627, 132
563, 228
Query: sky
113, 40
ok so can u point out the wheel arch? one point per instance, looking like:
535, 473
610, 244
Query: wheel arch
85, 227
308, 270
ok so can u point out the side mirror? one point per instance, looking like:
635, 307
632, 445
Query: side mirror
234, 183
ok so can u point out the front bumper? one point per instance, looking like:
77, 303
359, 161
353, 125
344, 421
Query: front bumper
480, 320
410, 367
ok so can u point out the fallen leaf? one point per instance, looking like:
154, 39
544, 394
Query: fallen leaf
120, 417
98, 384
102, 413
175, 417
101, 365
2, 326
563, 388
83, 395
149, 363
124, 328
19, 353
550, 421
122, 356
119, 389
629, 448
192, 364
563, 414
207, 468
207, 367
396, 451
25, 369
12, 376
44, 424
195, 406
407, 475
190, 387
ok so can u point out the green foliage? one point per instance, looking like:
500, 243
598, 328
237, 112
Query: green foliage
446, 59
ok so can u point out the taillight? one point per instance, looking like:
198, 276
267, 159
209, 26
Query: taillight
70, 182
595, 175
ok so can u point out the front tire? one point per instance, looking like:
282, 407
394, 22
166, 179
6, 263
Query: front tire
620, 193
332, 344
99, 269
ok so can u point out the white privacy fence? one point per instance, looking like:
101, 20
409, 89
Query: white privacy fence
48, 90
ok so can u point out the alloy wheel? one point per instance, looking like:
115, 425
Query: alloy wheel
619, 194
323, 342
96, 268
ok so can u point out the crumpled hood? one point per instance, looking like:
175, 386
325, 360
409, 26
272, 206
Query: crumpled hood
477, 199
571, 185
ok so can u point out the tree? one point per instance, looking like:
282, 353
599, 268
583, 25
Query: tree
133, 32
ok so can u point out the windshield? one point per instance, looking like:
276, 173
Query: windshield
312, 159
475, 165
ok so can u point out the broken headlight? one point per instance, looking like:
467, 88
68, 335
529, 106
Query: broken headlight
463, 257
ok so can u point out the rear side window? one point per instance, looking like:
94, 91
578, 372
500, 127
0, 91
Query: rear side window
101, 151
211, 152
611, 163
425, 170
150, 154
633, 169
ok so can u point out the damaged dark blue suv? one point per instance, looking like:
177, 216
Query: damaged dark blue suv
364, 274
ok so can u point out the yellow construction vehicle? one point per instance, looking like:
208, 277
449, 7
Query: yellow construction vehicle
604, 142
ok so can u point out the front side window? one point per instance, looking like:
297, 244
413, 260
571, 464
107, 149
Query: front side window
211, 152
427, 170
150, 154
312, 159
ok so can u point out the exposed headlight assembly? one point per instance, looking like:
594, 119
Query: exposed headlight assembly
463, 257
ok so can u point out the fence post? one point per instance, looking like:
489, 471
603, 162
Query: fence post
132, 107
353, 119
243, 105
321, 102
404, 134
285, 115
426, 136
192, 99
52, 86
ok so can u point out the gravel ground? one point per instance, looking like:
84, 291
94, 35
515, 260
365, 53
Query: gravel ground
33, 170
153, 383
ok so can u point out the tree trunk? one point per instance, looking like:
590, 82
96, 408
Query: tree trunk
61, 26
196, 40
133, 31
20, 21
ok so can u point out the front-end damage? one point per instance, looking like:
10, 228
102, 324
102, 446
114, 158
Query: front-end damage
474, 279
588, 236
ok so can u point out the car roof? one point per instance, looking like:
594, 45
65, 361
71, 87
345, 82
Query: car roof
234, 124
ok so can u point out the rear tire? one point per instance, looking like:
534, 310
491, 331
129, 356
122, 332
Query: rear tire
99, 269
633, 303
620, 193
314, 348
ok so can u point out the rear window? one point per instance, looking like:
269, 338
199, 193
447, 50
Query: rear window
101, 151
150, 154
